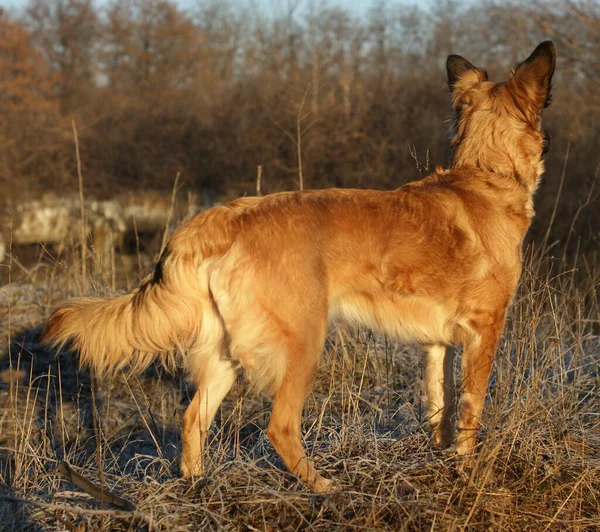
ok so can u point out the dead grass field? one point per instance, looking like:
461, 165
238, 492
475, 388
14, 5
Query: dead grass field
537, 466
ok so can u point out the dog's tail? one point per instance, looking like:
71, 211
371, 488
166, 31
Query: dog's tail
158, 319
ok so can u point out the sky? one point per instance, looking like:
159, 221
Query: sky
357, 7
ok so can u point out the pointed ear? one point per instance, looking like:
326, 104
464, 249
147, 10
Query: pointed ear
532, 79
462, 74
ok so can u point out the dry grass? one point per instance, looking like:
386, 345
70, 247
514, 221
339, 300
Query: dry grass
537, 467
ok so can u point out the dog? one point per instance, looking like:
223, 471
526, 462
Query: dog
252, 286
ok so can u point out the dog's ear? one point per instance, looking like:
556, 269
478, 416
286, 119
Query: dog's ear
462, 74
532, 79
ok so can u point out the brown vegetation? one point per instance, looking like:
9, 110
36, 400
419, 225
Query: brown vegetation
218, 90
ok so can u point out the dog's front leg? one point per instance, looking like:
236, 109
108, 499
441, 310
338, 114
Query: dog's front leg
439, 383
477, 359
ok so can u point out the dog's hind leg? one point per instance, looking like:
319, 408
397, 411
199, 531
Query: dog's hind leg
214, 378
439, 381
284, 429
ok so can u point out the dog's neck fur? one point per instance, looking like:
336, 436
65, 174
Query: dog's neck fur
522, 175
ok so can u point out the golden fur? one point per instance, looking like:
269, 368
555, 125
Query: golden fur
251, 286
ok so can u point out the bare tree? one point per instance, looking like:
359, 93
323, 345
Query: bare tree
66, 32
28, 108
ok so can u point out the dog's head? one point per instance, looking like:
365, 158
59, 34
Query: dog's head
497, 126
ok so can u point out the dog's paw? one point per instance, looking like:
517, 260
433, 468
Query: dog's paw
324, 486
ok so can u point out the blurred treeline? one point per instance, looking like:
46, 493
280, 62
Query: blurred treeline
215, 90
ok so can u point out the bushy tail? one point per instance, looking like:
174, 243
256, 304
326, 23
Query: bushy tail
158, 319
